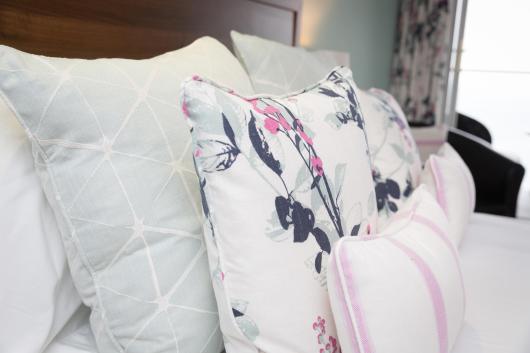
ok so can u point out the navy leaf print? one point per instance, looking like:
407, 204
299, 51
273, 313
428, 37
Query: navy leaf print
202, 184
283, 209
315, 181
353, 113
297, 141
381, 195
355, 229
328, 92
218, 156
408, 189
383, 190
393, 188
322, 239
303, 221
228, 131
262, 147
205, 207
318, 262
204, 202
237, 313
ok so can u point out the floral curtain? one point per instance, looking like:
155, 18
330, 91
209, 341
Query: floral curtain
420, 64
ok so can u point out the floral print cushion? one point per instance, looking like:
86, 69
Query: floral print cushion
396, 164
282, 179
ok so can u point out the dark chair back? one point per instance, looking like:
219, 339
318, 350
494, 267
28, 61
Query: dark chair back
473, 127
497, 178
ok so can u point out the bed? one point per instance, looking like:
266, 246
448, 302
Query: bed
496, 268
495, 253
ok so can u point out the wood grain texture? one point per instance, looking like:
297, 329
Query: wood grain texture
139, 28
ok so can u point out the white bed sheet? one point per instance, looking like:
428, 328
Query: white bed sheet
76, 336
495, 255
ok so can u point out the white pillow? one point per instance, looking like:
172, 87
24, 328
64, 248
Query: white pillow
402, 290
37, 294
448, 178
277, 68
112, 149
447, 151
280, 183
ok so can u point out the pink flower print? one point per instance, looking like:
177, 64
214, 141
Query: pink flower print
283, 122
304, 137
197, 152
269, 109
271, 125
185, 110
254, 103
316, 163
329, 344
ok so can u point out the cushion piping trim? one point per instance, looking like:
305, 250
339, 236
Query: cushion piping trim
224, 283
358, 325
440, 184
412, 217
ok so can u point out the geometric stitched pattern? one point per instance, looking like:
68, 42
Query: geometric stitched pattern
113, 152
275, 68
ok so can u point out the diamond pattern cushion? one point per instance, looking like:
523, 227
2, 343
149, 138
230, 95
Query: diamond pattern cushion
276, 68
282, 178
113, 152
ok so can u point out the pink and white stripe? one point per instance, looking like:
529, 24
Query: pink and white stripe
428, 298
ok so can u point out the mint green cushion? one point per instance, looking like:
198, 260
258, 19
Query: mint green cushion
112, 150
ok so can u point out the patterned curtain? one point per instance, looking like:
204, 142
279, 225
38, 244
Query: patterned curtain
421, 59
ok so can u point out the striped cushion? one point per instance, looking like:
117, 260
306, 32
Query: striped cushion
448, 178
400, 291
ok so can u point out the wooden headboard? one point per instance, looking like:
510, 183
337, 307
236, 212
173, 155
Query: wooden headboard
139, 28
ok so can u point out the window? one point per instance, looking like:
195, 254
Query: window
494, 78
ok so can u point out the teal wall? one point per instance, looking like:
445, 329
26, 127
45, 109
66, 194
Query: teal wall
364, 28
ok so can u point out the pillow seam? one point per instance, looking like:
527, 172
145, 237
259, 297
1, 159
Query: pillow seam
224, 283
